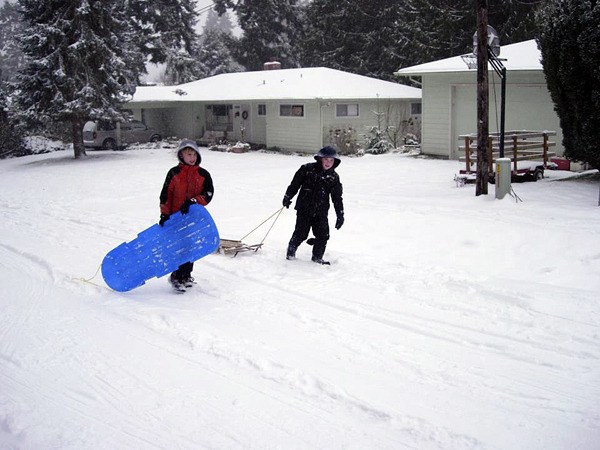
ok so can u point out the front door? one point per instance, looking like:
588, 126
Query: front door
219, 117
242, 122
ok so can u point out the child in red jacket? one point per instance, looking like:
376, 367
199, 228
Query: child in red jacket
186, 184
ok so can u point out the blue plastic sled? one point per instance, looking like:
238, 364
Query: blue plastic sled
158, 250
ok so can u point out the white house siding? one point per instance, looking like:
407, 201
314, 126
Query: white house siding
188, 120
259, 125
302, 134
450, 108
398, 110
294, 134
435, 115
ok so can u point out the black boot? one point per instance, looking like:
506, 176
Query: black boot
177, 284
320, 261
291, 252
189, 282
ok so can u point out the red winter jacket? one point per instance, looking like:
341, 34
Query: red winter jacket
183, 183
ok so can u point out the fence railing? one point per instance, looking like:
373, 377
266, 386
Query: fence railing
518, 146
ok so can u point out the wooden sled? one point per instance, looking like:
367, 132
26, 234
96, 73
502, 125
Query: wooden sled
232, 247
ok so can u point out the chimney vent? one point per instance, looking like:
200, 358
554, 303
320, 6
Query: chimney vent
272, 65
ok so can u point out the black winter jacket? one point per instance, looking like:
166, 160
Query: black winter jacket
316, 185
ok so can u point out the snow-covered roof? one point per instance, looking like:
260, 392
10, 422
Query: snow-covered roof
296, 84
520, 56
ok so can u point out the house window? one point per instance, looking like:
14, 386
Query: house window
219, 117
291, 110
415, 108
346, 110
262, 110
219, 110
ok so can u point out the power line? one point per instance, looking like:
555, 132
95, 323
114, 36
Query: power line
205, 8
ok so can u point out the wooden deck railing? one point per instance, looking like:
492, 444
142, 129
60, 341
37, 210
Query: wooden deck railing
518, 146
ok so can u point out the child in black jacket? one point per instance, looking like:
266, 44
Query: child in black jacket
316, 182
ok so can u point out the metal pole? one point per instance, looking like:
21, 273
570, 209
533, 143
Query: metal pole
502, 111
501, 71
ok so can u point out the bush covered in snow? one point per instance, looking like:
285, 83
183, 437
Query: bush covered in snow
376, 142
344, 140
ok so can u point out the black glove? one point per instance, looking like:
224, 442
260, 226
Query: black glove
185, 208
286, 201
163, 219
339, 222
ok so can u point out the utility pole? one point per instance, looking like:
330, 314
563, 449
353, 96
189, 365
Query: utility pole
481, 186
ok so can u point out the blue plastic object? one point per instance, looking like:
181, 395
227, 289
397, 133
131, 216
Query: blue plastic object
158, 250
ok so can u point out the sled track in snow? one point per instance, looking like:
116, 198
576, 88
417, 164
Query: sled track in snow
32, 292
533, 349
421, 325
296, 389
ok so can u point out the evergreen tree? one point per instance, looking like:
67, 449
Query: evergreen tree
163, 28
514, 20
441, 28
3, 101
181, 67
569, 37
216, 22
10, 136
12, 58
79, 62
212, 20
214, 56
271, 31
209, 55
368, 38
165, 31
378, 38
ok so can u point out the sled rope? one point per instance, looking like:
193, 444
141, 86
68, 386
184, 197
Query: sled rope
278, 213
89, 280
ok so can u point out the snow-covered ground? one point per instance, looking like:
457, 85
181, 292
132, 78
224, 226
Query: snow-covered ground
447, 321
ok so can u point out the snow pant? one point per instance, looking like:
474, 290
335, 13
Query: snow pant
320, 228
184, 271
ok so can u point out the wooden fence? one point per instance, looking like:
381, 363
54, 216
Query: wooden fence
518, 146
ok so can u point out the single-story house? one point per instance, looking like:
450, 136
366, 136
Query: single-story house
291, 109
450, 99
